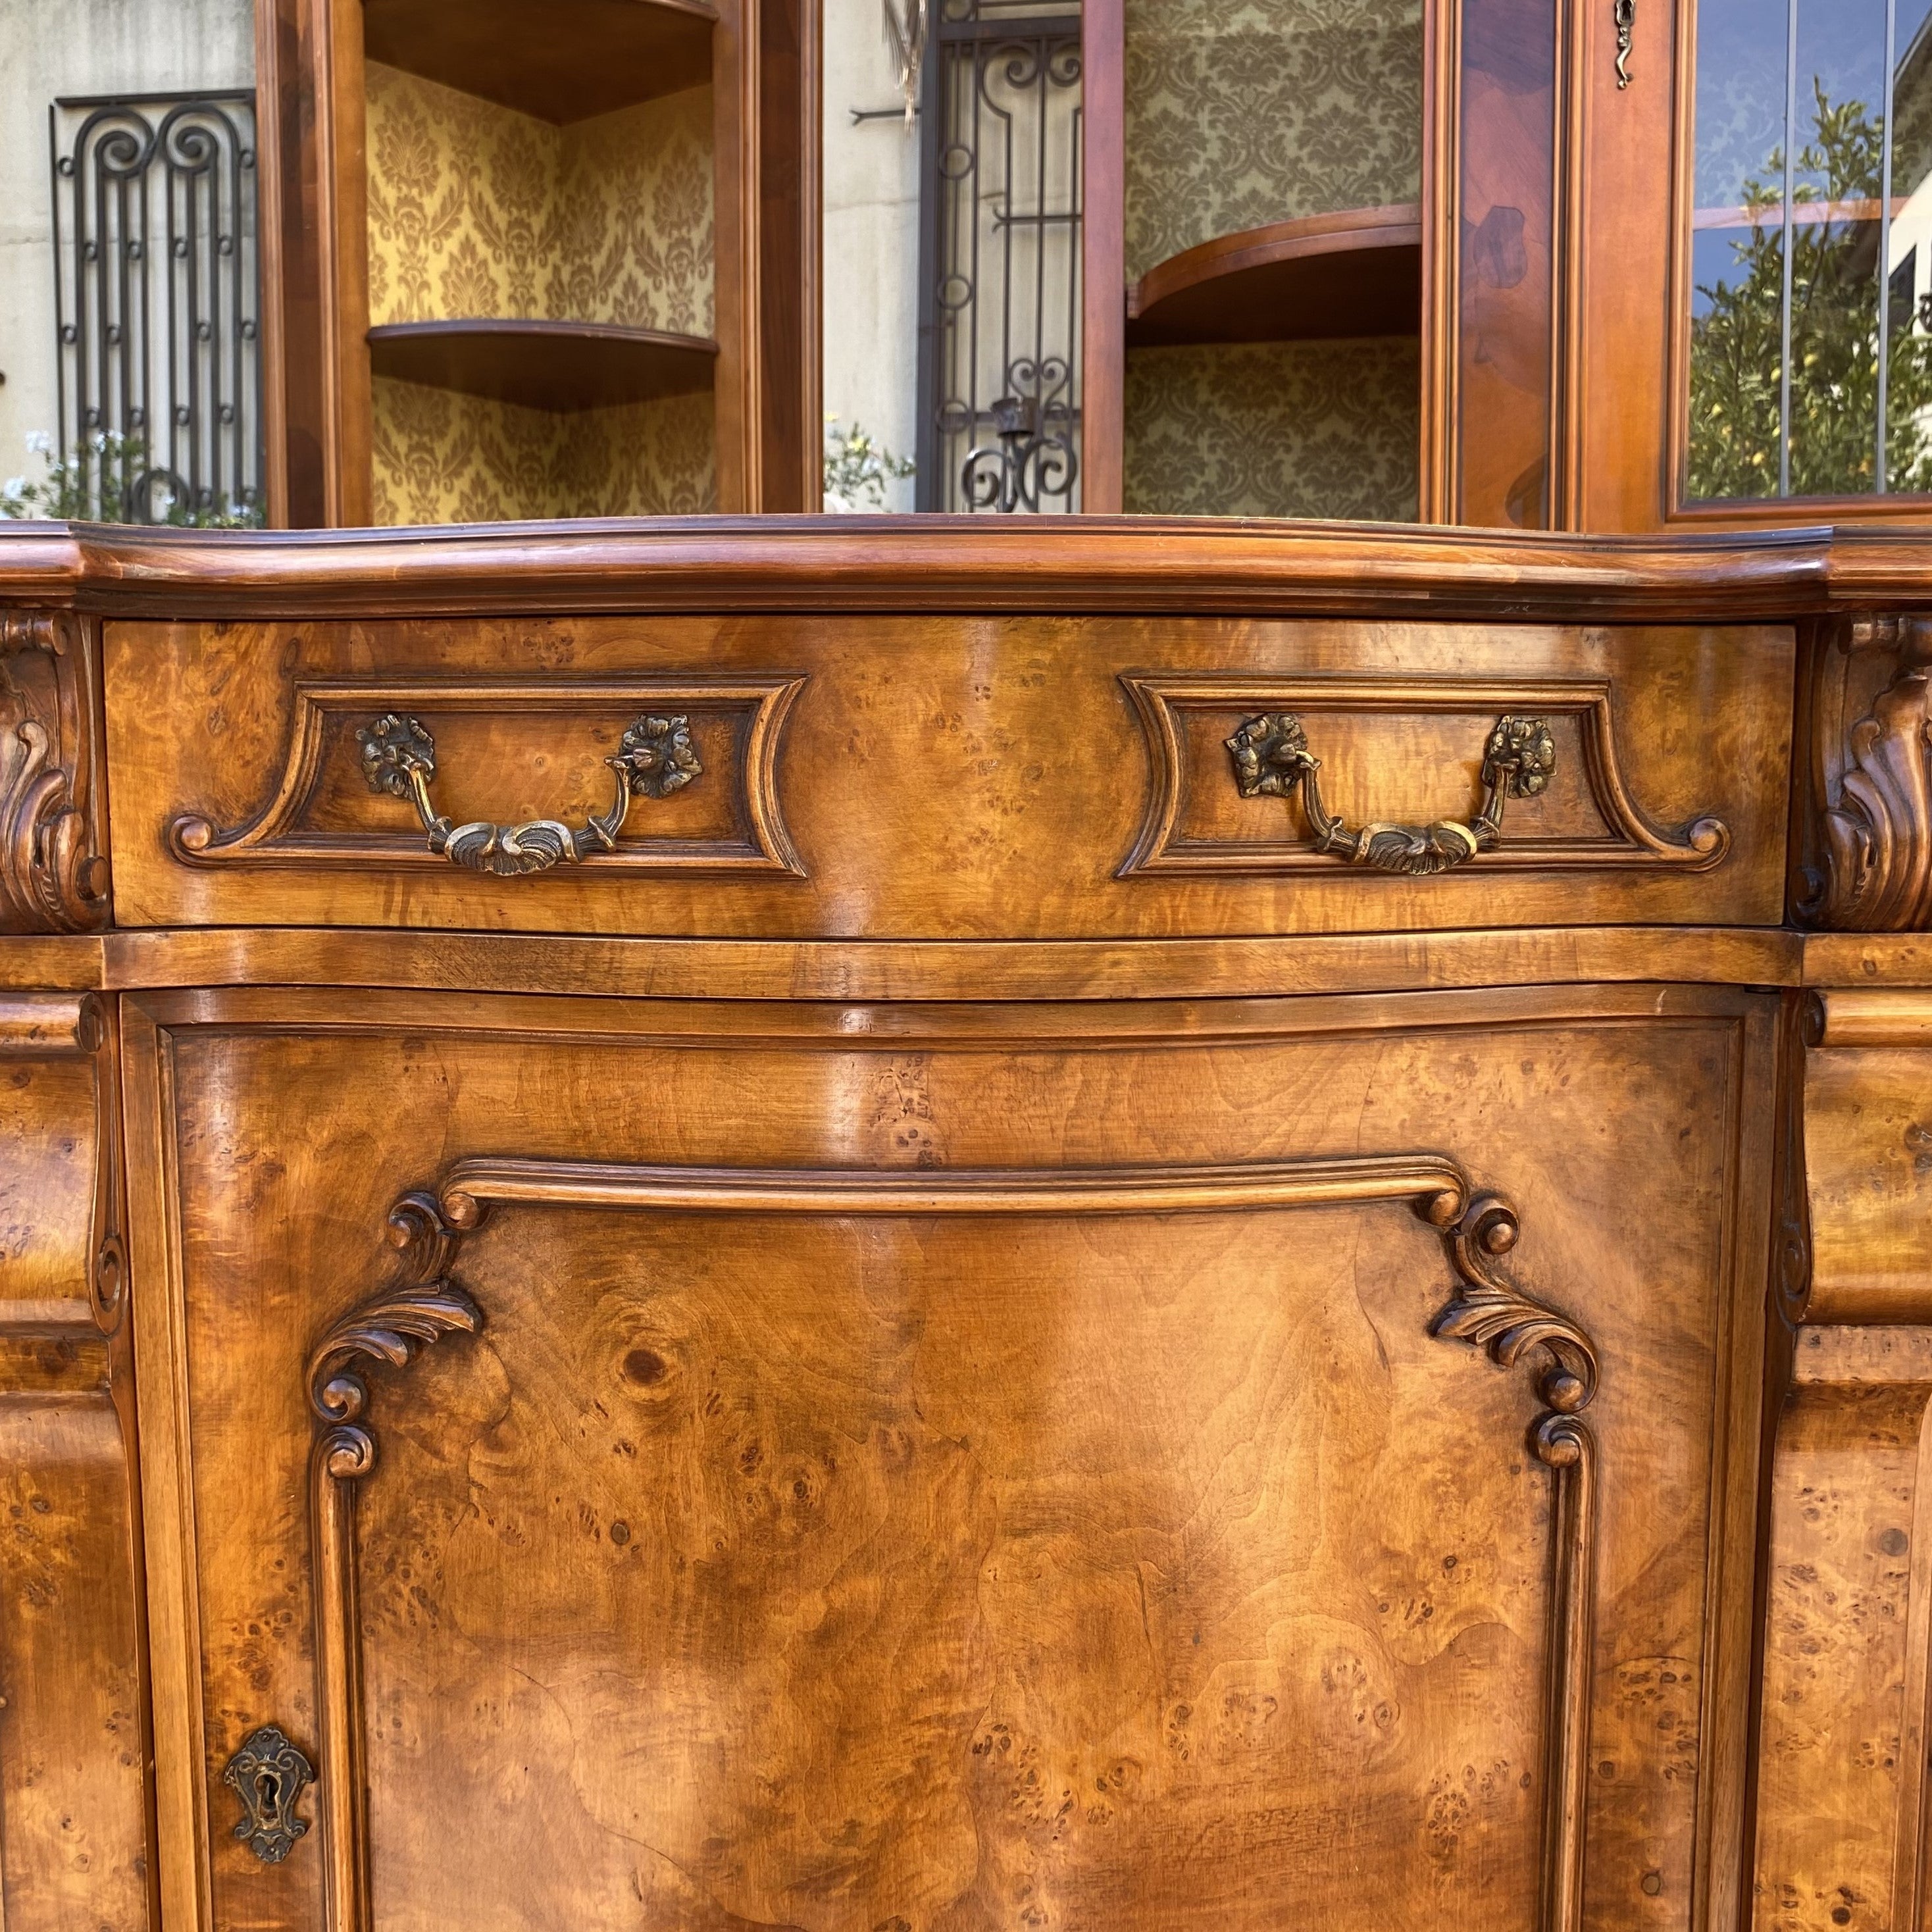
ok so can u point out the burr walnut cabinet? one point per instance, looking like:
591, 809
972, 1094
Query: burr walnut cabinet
926, 1228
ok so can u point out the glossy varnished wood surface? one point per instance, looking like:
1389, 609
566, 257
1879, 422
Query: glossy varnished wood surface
1841, 1828
938, 779
973, 563
576, 59
1358, 272
1130, 1503
1187, 1403
75, 1845
545, 365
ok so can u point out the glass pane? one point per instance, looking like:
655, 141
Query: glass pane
1260, 380
1737, 250
1809, 250
1837, 224
1909, 310
1000, 398
1509, 175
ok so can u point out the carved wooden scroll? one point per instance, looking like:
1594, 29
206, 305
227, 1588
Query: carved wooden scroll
1870, 865
734, 724
389, 1329
1179, 713
51, 878
1485, 1309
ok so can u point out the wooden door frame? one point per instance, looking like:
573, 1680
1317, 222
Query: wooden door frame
1103, 267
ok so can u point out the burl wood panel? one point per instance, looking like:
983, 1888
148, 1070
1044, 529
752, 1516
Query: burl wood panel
73, 1793
47, 1189
956, 1571
1868, 1169
74, 1745
969, 778
1841, 1787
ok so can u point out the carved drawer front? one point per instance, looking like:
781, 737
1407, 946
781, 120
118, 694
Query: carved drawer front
946, 777
953, 1468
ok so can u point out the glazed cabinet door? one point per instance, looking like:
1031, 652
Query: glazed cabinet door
1244, 1466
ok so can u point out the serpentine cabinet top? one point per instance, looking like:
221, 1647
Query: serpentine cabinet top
945, 563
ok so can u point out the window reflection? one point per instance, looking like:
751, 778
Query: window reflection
1811, 251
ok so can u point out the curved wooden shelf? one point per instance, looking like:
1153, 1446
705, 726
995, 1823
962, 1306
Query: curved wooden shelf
560, 60
1357, 272
545, 365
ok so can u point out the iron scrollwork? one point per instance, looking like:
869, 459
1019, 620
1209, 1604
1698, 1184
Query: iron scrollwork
1000, 381
269, 1774
1272, 759
655, 757
157, 304
1033, 457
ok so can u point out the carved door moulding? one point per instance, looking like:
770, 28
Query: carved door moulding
53, 877
1487, 1310
1630, 840
735, 723
1870, 868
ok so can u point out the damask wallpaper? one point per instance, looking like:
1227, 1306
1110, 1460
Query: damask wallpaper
1244, 111
475, 210
1275, 429
441, 457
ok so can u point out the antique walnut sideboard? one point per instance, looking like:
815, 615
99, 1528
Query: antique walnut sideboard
913, 1227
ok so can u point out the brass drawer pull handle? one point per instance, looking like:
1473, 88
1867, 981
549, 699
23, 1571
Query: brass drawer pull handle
656, 758
1271, 757
268, 1774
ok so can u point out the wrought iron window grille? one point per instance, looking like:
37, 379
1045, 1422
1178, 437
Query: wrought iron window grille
999, 290
158, 301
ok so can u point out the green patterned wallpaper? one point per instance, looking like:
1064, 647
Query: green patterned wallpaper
1244, 112
1275, 429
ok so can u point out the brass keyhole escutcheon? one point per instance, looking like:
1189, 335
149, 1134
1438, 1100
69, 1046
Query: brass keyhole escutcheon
269, 1774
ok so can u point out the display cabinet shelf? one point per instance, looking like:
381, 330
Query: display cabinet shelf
1355, 273
559, 366
564, 61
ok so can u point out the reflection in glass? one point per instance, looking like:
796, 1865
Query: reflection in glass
1000, 259
1810, 364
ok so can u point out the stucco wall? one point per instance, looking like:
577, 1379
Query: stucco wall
50, 48
871, 242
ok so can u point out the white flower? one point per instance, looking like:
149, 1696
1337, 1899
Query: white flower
39, 442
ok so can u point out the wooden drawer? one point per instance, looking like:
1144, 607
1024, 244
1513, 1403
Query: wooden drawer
902, 778
1202, 1471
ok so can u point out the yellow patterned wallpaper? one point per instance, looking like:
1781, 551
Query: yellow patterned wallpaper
477, 210
1275, 429
1244, 111
441, 457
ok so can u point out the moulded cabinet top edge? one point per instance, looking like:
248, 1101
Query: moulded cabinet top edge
963, 564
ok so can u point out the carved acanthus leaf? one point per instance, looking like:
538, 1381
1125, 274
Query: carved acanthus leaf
51, 878
1491, 1312
392, 1326
1876, 817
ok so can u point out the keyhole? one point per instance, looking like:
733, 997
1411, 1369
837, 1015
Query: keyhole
267, 1790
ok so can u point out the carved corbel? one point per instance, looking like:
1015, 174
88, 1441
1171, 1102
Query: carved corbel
53, 879
1869, 867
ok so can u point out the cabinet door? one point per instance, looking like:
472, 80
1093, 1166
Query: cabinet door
700, 1466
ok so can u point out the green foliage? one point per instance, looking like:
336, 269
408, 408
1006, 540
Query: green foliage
1737, 350
99, 483
857, 469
